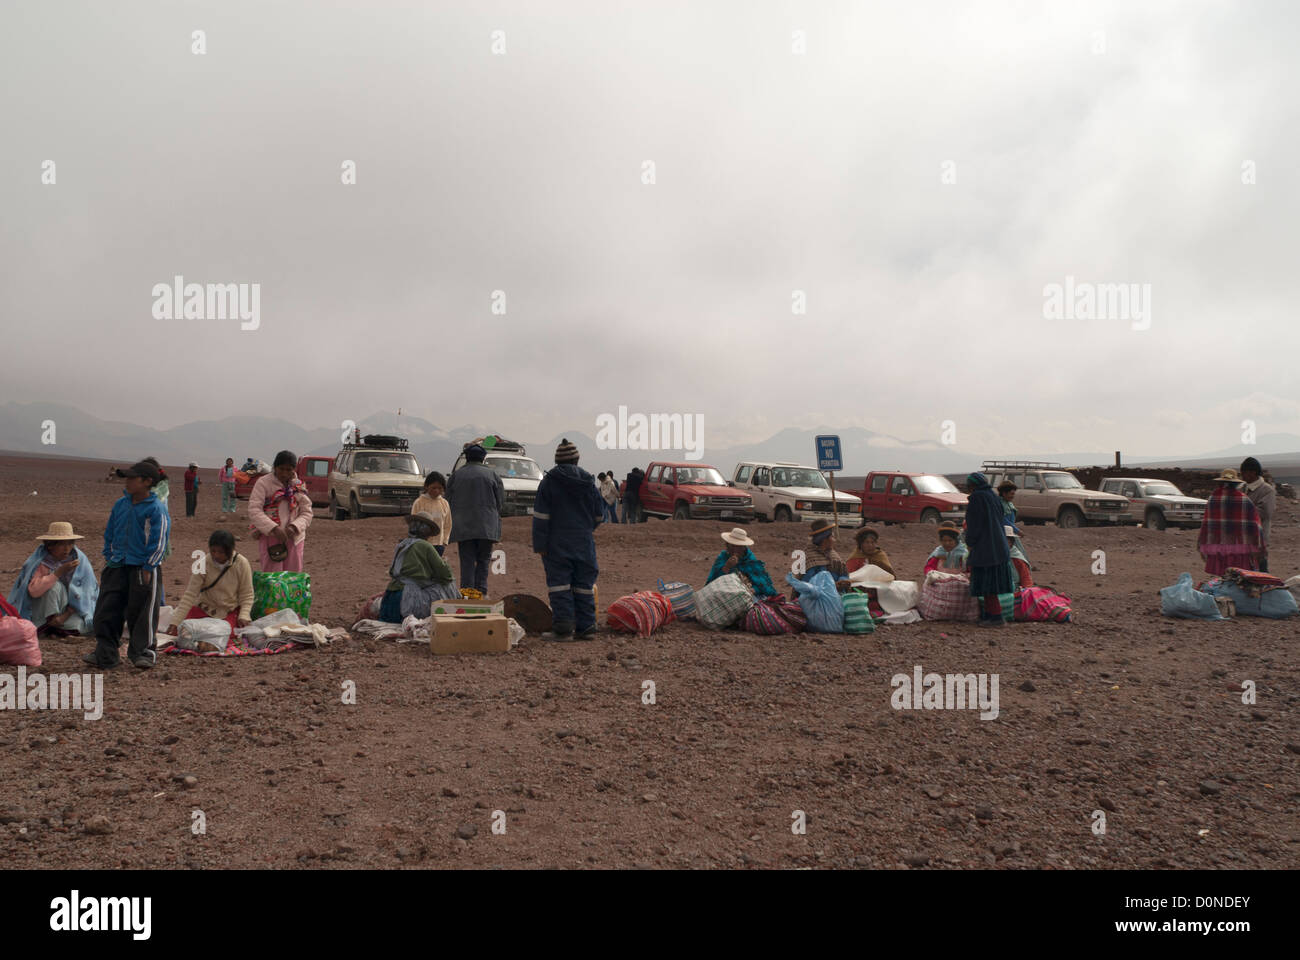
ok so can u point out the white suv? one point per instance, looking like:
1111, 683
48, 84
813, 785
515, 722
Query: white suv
787, 491
520, 476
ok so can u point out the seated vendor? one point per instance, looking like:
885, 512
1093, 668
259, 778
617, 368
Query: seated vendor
736, 557
951, 553
869, 552
419, 573
822, 555
223, 590
1020, 575
56, 587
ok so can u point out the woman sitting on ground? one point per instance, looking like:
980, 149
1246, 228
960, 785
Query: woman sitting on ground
56, 587
736, 557
224, 590
951, 553
420, 575
823, 556
869, 552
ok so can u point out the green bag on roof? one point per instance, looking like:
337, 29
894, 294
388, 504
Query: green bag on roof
281, 590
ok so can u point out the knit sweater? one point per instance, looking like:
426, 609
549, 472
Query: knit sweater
234, 591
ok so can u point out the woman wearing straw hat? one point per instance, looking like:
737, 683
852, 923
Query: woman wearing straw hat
736, 557
1231, 533
56, 587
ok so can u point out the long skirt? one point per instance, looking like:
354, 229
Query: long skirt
990, 581
292, 562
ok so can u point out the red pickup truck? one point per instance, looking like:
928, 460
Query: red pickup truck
692, 491
896, 497
313, 471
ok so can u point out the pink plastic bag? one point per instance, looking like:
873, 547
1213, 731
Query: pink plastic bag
18, 644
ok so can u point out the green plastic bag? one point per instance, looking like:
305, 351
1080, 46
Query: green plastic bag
281, 590
857, 613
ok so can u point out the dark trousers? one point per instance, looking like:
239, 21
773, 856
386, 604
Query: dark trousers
570, 583
475, 557
191, 501
631, 507
124, 599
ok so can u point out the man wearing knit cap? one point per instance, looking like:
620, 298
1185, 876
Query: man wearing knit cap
567, 511
1264, 497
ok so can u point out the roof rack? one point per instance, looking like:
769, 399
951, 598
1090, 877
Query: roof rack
1049, 464
377, 441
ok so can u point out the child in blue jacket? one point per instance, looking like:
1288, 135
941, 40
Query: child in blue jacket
135, 539
566, 513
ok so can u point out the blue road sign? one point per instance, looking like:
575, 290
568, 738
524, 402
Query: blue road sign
828, 454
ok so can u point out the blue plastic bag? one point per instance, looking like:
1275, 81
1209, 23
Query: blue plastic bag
1184, 600
1274, 604
821, 602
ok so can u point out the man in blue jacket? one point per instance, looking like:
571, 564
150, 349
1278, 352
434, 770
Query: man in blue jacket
567, 511
134, 541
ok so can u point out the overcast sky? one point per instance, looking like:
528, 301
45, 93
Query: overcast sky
1102, 141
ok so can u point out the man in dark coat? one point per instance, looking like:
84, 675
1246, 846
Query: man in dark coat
567, 511
476, 496
632, 496
990, 558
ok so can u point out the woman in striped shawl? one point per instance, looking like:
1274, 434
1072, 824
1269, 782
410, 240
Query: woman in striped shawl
1231, 534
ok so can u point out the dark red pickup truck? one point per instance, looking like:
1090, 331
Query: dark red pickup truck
313, 471
896, 497
692, 491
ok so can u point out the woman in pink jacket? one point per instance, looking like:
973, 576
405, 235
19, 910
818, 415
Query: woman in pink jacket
280, 510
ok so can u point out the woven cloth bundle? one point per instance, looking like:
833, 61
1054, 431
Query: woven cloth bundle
641, 613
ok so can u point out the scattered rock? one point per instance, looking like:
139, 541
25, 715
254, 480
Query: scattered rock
1210, 788
98, 826
189, 782
1293, 747
1028, 686
917, 859
449, 792
1107, 804
932, 791
983, 813
467, 831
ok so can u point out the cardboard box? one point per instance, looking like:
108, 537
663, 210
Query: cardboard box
449, 608
469, 634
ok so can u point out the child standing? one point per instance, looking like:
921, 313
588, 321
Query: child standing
433, 502
134, 540
223, 590
192, 482
280, 510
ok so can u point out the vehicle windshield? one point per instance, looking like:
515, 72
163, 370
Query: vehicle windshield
797, 477
515, 468
700, 475
929, 484
386, 463
1161, 488
1061, 481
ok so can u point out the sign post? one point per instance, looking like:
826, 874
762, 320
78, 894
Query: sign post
828, 461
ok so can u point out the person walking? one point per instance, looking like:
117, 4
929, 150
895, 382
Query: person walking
477, 498
1231, 532
990, 558
226, 477
192, 482
1263, 495
567, 511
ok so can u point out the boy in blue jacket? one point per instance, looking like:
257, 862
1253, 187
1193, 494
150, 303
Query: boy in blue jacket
134, 541
567, 511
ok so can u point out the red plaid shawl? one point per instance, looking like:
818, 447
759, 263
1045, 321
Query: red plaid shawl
1230, 525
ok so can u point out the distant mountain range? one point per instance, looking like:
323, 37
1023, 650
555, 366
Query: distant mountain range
209, 442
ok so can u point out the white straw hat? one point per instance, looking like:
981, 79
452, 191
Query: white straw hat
739, 537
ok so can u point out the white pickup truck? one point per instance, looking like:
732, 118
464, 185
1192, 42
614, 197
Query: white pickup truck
785, 491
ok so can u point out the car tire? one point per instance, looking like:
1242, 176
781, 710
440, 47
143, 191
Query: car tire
681, 511
1155, 519
337, 512
930, 515
783, 515
354, 507
1070, 518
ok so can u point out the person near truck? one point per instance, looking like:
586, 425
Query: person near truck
135, 539
477, 497
226, 477
609, 494
434, 503
565, 515
1231, 532
279, 509
986, 541
1007, 491
1263, 495
192, 482
632, 496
